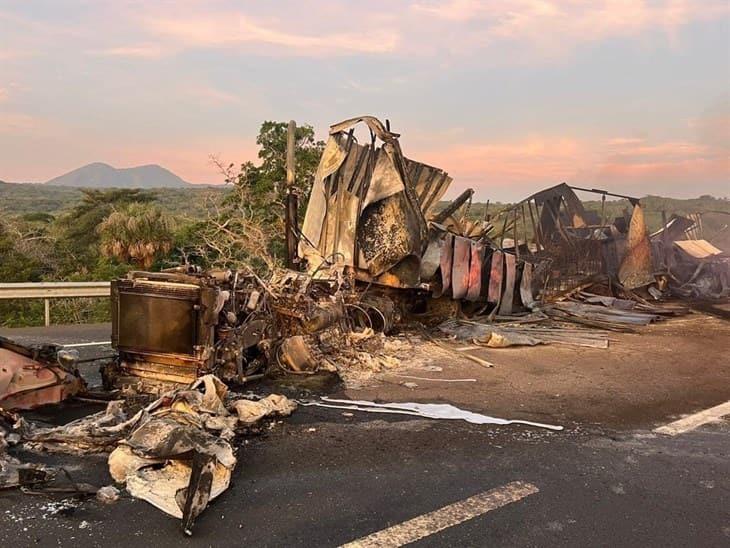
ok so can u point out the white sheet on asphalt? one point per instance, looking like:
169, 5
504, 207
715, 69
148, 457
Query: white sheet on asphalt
427, 410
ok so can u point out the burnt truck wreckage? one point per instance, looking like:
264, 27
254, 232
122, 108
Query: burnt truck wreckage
35, 375
376, 251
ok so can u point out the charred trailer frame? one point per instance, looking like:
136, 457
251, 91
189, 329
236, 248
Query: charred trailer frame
570, 246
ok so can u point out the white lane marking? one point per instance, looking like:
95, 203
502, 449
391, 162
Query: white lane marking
448, 516
693, 421
434, 379
77, 345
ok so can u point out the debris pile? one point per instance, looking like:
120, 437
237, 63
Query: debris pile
503, 335
377, 252
14, 473
175, 453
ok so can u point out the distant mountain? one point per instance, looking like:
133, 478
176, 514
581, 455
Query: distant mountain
100, 175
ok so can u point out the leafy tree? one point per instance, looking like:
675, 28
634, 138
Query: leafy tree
136, 233
24, 252
266, 182
16, 265
246, 226
272, 139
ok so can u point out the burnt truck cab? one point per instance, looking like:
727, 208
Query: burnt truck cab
170, 327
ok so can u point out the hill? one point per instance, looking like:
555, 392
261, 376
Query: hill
100, 175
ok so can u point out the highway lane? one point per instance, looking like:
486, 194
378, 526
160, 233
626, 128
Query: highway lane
328, 477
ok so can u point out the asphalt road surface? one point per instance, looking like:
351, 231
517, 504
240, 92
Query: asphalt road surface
325, 477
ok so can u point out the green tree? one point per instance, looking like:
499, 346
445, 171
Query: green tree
245, 227
77, 233
272, 139
136, 233
25, 256
16, 263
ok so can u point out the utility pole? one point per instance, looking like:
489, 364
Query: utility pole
292, 205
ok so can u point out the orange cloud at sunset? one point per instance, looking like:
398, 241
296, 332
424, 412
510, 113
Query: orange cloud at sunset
522, 167
487, 165
234, 28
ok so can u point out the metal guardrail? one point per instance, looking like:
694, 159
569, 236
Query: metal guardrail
53, 290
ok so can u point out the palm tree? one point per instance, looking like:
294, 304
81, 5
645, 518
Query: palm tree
136, 233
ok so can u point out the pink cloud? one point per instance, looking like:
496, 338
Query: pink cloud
8, 55
148, 51
671, 167
511, 170
212, 96
555, 27
518, 30
21, 124
637, 150
216, 29
535, 158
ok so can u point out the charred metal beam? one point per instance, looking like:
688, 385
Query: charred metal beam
631, 199
292, 226
454, 206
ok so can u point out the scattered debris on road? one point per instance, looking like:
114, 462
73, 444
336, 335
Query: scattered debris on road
503, 335
107, 494
175, 453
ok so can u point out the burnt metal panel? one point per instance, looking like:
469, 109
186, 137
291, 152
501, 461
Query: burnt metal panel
115, 312
460, 267
367, 207
636, 266
475, 271
505, 307
526, 295
156, 323
486, 267
698, 249
447, 259
432, 256
495, 277
430, 183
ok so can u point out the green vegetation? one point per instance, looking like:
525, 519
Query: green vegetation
136, 233
52, 233
246, 228
20, 199
653, 207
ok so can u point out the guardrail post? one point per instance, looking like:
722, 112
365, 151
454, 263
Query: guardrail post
47, 311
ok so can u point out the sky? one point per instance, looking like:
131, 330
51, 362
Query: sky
508, 96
